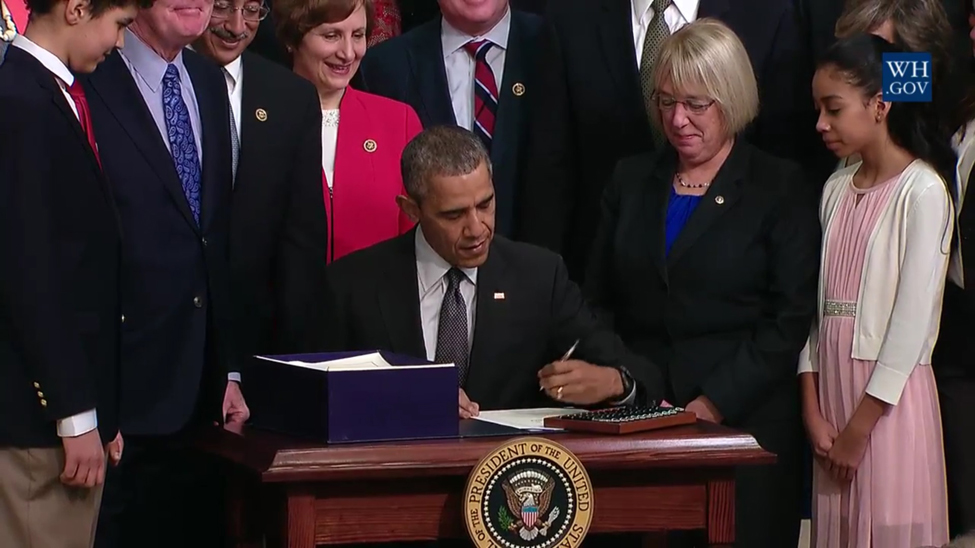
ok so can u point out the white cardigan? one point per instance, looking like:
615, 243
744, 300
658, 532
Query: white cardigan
898, 310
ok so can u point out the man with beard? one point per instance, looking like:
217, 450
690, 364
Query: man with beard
162, 123
279, 233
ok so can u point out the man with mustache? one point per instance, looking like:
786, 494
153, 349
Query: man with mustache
162, 122
279, 233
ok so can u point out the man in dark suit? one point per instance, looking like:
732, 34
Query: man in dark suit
954, 364
59, 305
471, 67
505, 313
589, 107
278, 229
162, 122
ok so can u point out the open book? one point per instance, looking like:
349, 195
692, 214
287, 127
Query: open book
357, 362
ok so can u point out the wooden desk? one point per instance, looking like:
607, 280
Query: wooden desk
302, 495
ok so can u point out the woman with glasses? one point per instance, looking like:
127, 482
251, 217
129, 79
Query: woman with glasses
363, 135
706, 261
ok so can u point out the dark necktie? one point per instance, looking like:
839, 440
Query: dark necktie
234, 136
657, 32
77, 94
452, 338
182, 143
485, 91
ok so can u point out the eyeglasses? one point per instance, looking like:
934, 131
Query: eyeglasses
693, 105
250, 11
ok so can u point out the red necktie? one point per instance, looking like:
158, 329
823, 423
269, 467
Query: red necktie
485, 91
77, 94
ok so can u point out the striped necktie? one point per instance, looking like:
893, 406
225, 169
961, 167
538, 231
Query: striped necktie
485, 91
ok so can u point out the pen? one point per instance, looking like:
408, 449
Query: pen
567, 355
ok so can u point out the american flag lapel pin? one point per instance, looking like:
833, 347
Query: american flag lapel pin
499, 295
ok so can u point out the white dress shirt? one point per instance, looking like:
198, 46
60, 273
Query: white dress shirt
148, 69
85, 422
432, 283
460, 65
233, 73
678, 14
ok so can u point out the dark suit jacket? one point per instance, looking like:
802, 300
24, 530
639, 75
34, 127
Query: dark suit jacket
727, 312
954, 355
266, 41
415, 13
59, 260
410, 69
588, 110
175, 279
279, 232
376, 306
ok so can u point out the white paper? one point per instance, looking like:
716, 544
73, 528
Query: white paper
526, 419
373, 361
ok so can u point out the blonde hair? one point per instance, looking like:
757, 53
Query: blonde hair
918, 25
709, 55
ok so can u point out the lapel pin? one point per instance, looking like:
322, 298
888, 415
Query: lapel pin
369, 145
499, 296
261, 115
518, 89
719, 200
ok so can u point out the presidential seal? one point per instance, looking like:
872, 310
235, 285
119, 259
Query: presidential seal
528, 493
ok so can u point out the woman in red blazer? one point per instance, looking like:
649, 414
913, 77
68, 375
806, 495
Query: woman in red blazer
363, 135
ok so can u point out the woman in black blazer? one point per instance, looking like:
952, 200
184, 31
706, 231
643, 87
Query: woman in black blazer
706, 262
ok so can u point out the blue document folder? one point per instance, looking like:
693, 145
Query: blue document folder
353, 396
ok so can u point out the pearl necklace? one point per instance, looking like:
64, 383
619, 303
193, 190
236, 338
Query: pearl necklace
685, 184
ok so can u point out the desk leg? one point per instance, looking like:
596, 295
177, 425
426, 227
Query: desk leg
721, 513
300, 519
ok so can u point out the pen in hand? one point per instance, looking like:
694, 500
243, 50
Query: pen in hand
566, 356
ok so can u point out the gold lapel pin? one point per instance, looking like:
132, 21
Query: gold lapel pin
518, 89
261, 115
369, 145
499, 296
719, 200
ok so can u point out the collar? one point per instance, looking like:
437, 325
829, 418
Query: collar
687, 8
150, 66
431, 267
233, 69
46, 58
453, 39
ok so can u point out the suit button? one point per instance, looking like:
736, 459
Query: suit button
40, 394
197, 302
43, 403
37, 385
204, 240
123, 318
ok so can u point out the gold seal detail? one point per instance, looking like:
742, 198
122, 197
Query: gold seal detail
528, 493
261, 115
518, 89
369, 145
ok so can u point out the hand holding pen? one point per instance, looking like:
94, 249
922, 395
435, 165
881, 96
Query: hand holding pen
578, 382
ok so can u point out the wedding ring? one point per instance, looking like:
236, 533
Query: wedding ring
558, 393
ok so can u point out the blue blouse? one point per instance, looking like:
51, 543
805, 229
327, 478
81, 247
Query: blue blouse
679, 210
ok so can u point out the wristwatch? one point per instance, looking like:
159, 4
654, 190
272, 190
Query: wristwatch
627, 379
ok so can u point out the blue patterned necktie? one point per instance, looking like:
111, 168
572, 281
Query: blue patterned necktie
452, 338
182, 144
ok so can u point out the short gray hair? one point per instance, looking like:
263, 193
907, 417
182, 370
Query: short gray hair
965, 541
707, 53
440, 151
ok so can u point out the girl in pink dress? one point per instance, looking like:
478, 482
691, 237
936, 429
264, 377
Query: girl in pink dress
870, 404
